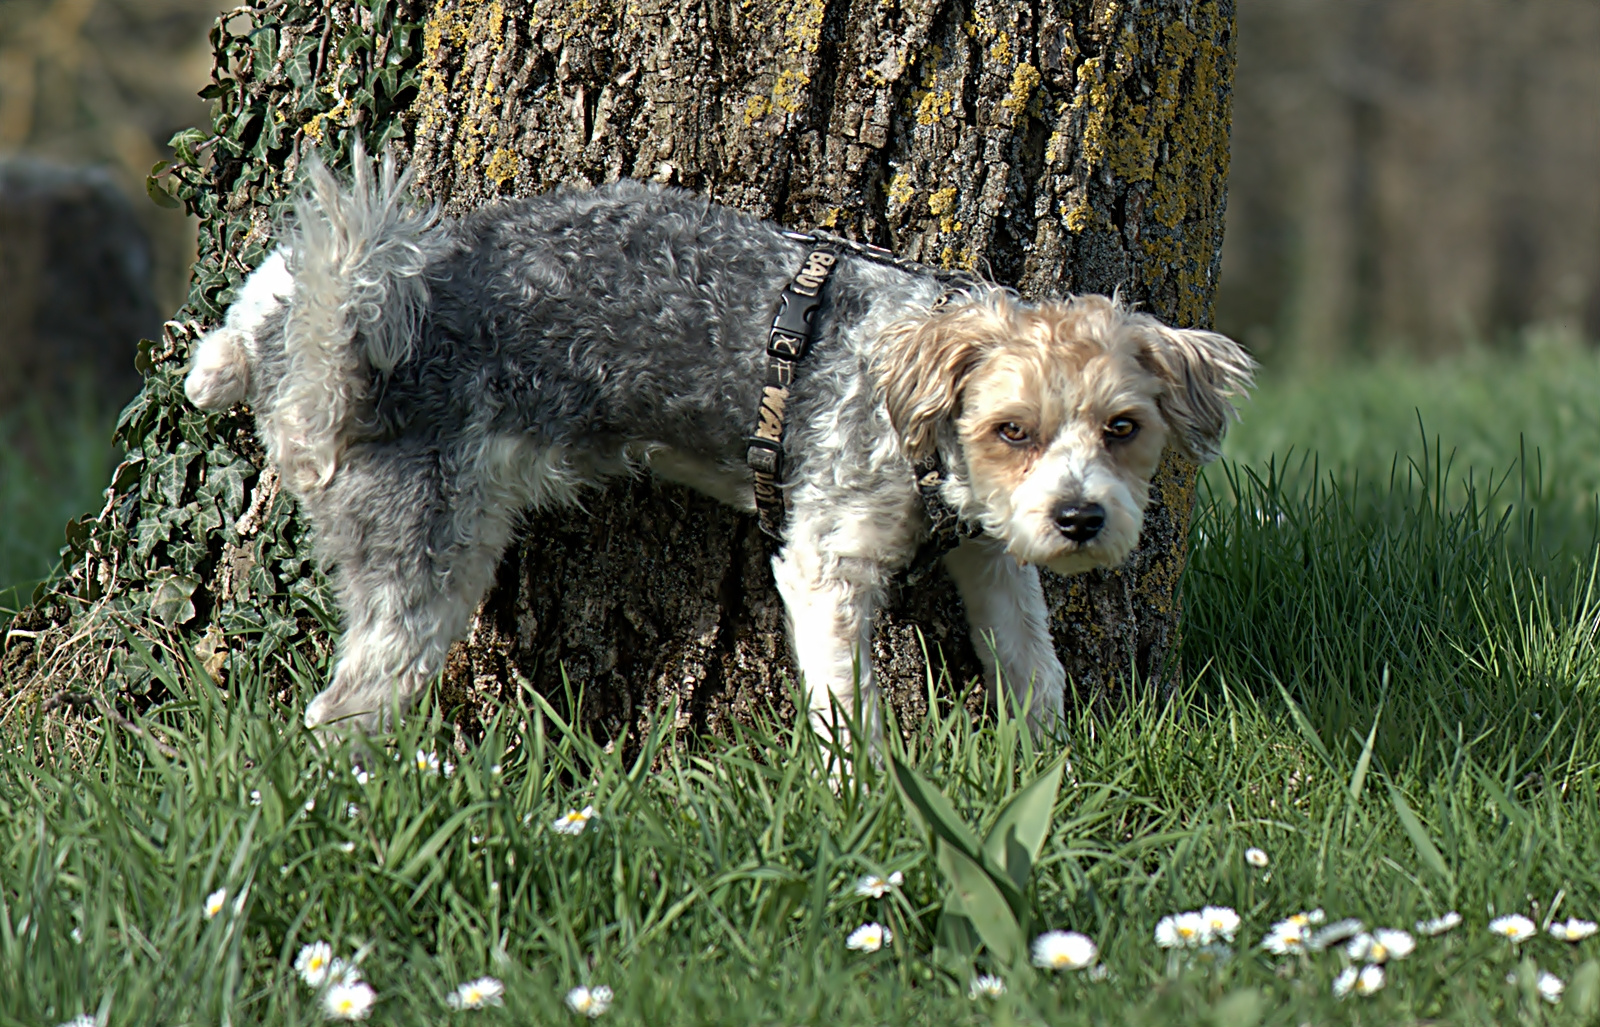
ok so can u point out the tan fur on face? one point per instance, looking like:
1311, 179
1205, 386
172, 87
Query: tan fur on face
1059, 372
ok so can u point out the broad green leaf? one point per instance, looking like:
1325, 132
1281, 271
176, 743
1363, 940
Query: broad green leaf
1583, 993
1019, 833
975, 895
936, 813
956, 935
1240, 1009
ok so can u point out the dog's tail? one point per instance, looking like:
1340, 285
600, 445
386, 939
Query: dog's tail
358, 255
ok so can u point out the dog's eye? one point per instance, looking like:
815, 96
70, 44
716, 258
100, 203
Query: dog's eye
1121, 428
1013, 433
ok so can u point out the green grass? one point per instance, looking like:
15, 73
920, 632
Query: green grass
1391, 668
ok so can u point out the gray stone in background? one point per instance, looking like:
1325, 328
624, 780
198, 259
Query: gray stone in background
75, 286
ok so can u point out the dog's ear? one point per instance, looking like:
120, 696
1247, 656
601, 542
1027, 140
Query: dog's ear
1201, 370
924, 363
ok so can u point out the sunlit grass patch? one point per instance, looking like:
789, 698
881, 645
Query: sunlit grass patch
1381, 743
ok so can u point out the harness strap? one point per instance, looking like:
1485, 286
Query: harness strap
947, 529
793, 331
794, 328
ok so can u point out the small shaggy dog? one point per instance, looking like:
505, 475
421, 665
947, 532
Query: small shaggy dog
420, 384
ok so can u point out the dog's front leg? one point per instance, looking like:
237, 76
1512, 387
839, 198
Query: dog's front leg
831, 602
1010, 626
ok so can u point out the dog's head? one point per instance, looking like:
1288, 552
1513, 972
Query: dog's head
1061, 410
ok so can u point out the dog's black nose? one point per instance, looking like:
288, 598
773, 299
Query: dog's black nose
1080, 521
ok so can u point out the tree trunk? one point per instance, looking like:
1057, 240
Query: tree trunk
1076, 146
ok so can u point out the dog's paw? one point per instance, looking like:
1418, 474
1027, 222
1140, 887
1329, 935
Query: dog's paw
220, 375
330, 709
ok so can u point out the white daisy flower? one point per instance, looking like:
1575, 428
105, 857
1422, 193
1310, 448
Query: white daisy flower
869, 938
449, 768
876, 887
1550, 987
1439, 924
590, 1002
255, 796
82, 1020
1286, 937
214, 902
1182, 930
1364, 981
1221, 922
485, 991
1380, 946
574, 821
347, 847
1064, 950
345, 973
427, 762
349, 1000
313, 963
1514, 928
1256, 858
1334, 933
987, 986
1573, 930
362, 775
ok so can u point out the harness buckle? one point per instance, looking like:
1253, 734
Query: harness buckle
763, 456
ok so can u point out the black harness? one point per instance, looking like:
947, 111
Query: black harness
794, 329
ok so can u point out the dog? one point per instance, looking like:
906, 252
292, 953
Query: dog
420, 383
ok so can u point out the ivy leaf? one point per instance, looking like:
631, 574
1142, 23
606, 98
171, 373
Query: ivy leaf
151, 531
156, 191
171, 603
184, 143
298, 64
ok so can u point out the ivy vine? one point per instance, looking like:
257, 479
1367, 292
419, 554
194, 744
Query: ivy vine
194, 535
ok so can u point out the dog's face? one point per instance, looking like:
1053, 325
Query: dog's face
1061, 410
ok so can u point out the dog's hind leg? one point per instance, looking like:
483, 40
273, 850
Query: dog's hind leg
414, 533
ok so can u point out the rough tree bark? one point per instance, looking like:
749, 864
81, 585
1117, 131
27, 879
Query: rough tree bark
1075, 145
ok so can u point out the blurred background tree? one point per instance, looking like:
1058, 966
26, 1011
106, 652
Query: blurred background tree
1412, 175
